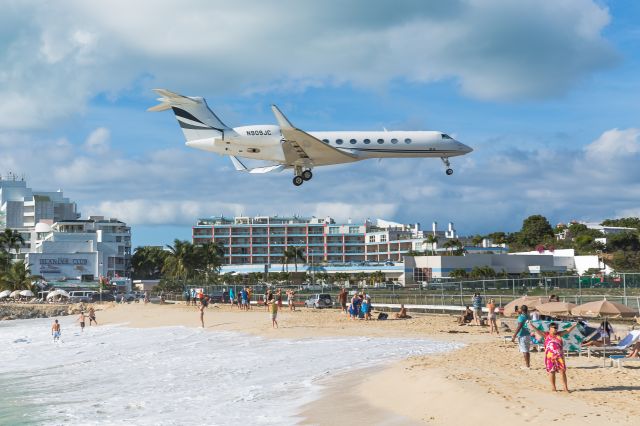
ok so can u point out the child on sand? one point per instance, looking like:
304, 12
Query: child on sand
81, 320
554, 353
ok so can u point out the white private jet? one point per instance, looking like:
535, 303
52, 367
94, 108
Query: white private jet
287, 147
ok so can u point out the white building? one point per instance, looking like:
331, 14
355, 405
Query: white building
80, 249
21, 207
424, 268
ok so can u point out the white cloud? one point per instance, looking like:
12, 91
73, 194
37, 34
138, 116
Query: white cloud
614, 144
98, 141
161, 212
494, 49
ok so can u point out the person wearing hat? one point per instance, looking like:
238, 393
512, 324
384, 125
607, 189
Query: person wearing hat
553, 353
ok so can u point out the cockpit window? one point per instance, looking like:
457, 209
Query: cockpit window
445, 136
325, 140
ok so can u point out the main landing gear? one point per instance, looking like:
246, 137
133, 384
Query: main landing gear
449, 170
301, 176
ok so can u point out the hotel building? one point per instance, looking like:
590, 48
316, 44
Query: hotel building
263, 240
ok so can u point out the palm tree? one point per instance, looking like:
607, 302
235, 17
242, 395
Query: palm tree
477, 240
377, 277
431, 239
11, 239
211, 256
179, 262
17, 277
295, 254
147, 262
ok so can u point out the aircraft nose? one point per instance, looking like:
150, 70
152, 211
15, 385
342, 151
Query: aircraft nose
464, 148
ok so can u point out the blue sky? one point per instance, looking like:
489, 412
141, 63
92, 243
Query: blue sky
545, 92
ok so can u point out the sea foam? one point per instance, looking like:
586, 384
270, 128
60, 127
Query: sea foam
174, 375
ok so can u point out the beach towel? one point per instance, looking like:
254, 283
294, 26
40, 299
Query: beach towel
570, 342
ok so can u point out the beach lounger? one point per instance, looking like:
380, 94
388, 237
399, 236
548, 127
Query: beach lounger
621, 347
620, 360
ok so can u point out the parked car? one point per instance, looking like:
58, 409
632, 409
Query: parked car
319, 301
106, 297
80, 296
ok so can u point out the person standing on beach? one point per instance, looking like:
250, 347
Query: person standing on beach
187, 297
92, 316
553, 353
291, 294
524, 336
245, 298
81, 320
279, 298
476, 302
273, 312
232, 296
55, 331
491, 307
342, 298
203, 304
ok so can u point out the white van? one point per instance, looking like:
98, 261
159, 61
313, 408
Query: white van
81, 296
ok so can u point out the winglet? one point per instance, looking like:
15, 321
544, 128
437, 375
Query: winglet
283, 122
238, 164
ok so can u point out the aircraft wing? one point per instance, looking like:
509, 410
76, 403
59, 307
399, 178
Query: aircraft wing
302, 149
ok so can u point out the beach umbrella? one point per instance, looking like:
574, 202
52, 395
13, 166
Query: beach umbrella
530, 301
603, 308
26, 293
5, 293
14, 294
556, 308
55, 293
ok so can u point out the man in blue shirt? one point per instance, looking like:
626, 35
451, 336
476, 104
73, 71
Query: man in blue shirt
244, 295
232, 295
523, 335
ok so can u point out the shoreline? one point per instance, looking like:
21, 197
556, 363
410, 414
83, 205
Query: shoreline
480, 381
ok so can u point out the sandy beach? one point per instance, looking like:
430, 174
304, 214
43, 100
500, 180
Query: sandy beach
482, 381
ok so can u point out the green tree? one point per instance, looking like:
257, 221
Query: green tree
626, 241
377, 277
459, 273
294, 254
17, 277
477, 240
147, 262
432, 240
181, 260
10, 239
535, 230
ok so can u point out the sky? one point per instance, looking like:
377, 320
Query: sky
545, 92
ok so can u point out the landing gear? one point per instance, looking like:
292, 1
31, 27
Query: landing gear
449, 170
301, 175
307, 175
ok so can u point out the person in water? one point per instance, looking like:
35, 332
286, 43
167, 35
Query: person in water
81, 320
92, 316
553, 352
55, 330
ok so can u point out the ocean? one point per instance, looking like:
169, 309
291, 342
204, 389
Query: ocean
117, 375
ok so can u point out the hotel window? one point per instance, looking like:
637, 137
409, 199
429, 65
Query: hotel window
422, 274
383, 238
354, 229
407, 140
380, 141
339, 141
367, 141
353, 141
394, 140
372, 238
334, 230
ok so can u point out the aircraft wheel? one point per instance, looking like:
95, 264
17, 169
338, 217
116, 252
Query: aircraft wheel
307, 175
297, 181
449, 172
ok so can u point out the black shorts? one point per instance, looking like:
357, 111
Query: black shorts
82, 324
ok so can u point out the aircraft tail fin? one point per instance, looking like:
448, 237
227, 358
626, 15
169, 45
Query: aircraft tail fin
193, 114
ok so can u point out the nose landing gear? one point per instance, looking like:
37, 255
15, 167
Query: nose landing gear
449, 170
